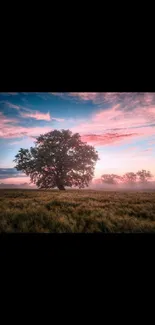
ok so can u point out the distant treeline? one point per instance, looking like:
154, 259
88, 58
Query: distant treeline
130, 178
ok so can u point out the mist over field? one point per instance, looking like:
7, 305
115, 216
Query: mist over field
92, 186
125, 187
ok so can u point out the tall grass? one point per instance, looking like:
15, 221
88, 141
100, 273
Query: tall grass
76, 211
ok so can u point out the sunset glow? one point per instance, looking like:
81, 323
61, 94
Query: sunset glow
121, 126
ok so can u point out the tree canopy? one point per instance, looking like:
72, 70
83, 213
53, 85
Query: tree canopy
144, 176
141, 177
110, 179
129, 178
58, 159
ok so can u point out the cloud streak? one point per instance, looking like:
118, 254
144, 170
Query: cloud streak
125, 99
114, 124
40, 116
10, 173
13, 132
10, 128
58, 119
106, 138
25, 112
36, 115
11, 105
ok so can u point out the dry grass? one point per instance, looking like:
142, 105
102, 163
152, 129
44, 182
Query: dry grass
76, 211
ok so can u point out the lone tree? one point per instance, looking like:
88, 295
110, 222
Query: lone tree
58, 159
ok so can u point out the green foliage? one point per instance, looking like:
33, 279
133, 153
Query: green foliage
58, 159
79, 211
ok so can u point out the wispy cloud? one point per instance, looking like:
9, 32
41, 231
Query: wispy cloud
10, 128
115, 124
126, 99
44, 96
58, 119
11, 105
10, 172
39, 116
36, 115
58, 94
19, 132
29, 113
4, 120
106, 138
131, 99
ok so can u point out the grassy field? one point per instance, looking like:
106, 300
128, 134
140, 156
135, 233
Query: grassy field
79, 211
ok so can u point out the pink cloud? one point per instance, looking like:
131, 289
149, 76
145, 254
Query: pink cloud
4, 120
28, 113
113, 125
116, 117
15, 132
95, 97
6, 125
106, 138
85, 96
10, 129
125, 98
15, 180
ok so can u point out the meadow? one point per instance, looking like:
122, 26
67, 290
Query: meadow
76, 211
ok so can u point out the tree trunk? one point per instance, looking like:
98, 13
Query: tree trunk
60, 183
61, 187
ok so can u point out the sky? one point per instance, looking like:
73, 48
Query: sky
121, 126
